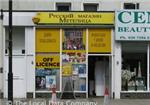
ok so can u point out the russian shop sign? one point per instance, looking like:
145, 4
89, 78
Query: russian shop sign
132, 25
74, 18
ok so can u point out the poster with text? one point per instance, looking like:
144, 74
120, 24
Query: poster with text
47, 40
99, 41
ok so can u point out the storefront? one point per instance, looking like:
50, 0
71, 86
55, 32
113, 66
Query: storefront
132, 33
62, 49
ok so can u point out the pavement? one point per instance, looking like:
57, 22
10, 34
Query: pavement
89, 101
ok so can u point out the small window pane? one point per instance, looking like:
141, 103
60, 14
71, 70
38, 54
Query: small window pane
63, 7
131, 5
90, 7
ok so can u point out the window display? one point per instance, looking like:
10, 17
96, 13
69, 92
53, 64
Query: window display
74, 58
134, 67
47, 57
73, 40
79, 74
45, 78
47, 69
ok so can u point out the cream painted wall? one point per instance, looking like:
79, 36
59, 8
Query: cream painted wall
1, 56
104, 5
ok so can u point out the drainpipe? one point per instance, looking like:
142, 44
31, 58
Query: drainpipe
10, 73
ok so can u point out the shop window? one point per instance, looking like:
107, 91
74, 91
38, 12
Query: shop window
134, 67
63, 7
90, 7
74, 59
18, 40
47, 59
131, 5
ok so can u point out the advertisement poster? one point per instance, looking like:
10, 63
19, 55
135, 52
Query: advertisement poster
79, 69
74, 39
73, 57
50, 81
44, 72
99, 41
47, 40
40, 82
67, 70
47, 61
46, 77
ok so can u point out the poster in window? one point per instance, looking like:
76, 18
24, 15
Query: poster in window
50, 81
40, 82
74, 57
47, 40
99, 41
74, 39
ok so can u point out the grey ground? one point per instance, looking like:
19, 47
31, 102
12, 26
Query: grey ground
93, 101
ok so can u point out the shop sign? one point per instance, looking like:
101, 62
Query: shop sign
47, 40
47, 61
74, 18
132, 25
99, 41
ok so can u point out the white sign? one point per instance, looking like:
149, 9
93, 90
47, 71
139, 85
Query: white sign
132, 25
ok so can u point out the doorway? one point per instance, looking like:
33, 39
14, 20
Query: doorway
99, 75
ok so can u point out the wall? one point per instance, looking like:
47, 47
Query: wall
50, 4
23, 64
30, 53
104, 5
117, 69
1, 57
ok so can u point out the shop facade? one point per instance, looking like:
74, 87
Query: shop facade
132, 33
70, 50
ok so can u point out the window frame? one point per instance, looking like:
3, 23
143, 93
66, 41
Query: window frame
136, 5
91, 4
63, 4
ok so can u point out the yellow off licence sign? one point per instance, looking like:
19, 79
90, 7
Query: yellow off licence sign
47, 61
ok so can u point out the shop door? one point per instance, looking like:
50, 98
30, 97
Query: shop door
99, 75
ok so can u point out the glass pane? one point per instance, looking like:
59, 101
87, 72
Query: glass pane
47, 70
74, 60
134, 67
18, 39
90, 7
74, 40
46, 78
